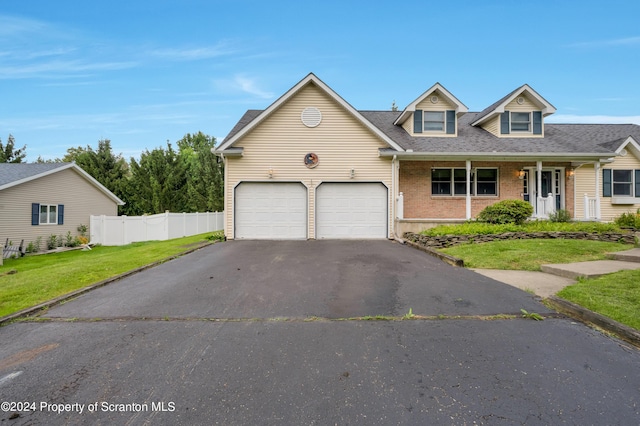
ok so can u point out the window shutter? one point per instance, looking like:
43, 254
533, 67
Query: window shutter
451, 122
537, 122
637, 173
606, 182
417, 121
35, 214
504, 123
60, 214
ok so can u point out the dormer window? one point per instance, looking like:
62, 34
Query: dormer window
434, 121
521, 122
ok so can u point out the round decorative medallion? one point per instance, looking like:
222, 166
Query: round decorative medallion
311, 160
311, 116
434, 99
520, 100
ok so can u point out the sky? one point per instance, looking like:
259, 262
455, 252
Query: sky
142, 73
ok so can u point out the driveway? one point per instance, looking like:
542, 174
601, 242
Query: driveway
327, 279
226, 336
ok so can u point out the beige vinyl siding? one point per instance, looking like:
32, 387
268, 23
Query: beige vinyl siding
80, 198
585, 181
492, 126
281, 141
610, 211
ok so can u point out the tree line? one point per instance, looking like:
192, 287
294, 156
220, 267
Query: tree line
186, 179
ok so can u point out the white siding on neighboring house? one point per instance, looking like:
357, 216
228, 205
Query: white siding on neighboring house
80, 198
280, 143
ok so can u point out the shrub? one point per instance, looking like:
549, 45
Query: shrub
52, 242
507, 211
560, 216
628, 220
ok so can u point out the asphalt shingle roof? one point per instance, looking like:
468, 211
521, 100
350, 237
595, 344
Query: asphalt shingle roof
558, 138
12, 172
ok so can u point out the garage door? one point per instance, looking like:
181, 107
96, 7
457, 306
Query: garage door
351, 210
272, 211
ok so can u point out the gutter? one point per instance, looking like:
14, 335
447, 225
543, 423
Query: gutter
497, 156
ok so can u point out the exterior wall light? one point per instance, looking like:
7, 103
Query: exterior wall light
352, 173
521, 174
270, 172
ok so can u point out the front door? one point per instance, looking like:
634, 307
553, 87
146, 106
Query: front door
551, 183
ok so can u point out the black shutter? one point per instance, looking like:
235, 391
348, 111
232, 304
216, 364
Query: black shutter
60, 214
451, 122
35, 214
637, 173
537, 122
417, 121
606, 182
504, 123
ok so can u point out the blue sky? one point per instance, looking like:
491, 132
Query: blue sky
140, 73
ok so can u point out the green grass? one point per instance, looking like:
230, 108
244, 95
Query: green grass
616, 296
44, 277
528, 255
475, 228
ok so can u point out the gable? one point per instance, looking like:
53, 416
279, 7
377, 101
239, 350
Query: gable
284, 134
240, 131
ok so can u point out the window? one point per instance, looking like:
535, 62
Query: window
48, 214
434, 121
520, 122
623, 183
484, 182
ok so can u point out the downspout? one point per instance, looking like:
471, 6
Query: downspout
224, 195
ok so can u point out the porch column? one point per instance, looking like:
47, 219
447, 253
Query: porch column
596, 168
539, 213
468, 197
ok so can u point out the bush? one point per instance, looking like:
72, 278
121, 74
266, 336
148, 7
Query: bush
507, 211
52, 242
560, 216
628, 220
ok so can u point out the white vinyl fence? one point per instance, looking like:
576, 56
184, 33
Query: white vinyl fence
121, 230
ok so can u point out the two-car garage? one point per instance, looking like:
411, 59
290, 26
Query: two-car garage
280, 210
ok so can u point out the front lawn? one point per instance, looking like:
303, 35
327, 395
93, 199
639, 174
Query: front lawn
616, 296
45, 277
528, 255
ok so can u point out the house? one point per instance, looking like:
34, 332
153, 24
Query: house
44, 199
311, 166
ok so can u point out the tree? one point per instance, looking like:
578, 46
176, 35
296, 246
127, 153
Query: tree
158, 182
103, 165
8, 153
205, 177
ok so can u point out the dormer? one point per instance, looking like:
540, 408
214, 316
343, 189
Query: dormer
519, 114
435, 114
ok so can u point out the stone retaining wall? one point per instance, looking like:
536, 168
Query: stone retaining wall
452, 240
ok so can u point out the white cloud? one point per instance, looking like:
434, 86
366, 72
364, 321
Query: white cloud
193, 54
627, 41
593, 119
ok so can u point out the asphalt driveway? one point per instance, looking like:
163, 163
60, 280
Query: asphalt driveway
327, 279
226, 336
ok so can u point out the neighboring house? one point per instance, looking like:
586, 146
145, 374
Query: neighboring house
312, 166
44, 199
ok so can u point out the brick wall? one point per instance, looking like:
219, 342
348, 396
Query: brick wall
415, 184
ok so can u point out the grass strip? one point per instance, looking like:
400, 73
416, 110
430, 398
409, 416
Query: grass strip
38, 279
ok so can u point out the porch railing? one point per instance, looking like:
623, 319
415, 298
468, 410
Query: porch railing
591, 208
546, 205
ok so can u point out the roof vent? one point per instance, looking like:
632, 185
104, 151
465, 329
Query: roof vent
520, 100
311, 116
623, 152
434, 99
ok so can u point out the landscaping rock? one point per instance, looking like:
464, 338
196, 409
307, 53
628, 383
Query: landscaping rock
453, 240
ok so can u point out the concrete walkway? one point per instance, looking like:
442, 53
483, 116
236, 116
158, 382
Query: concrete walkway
554, 278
